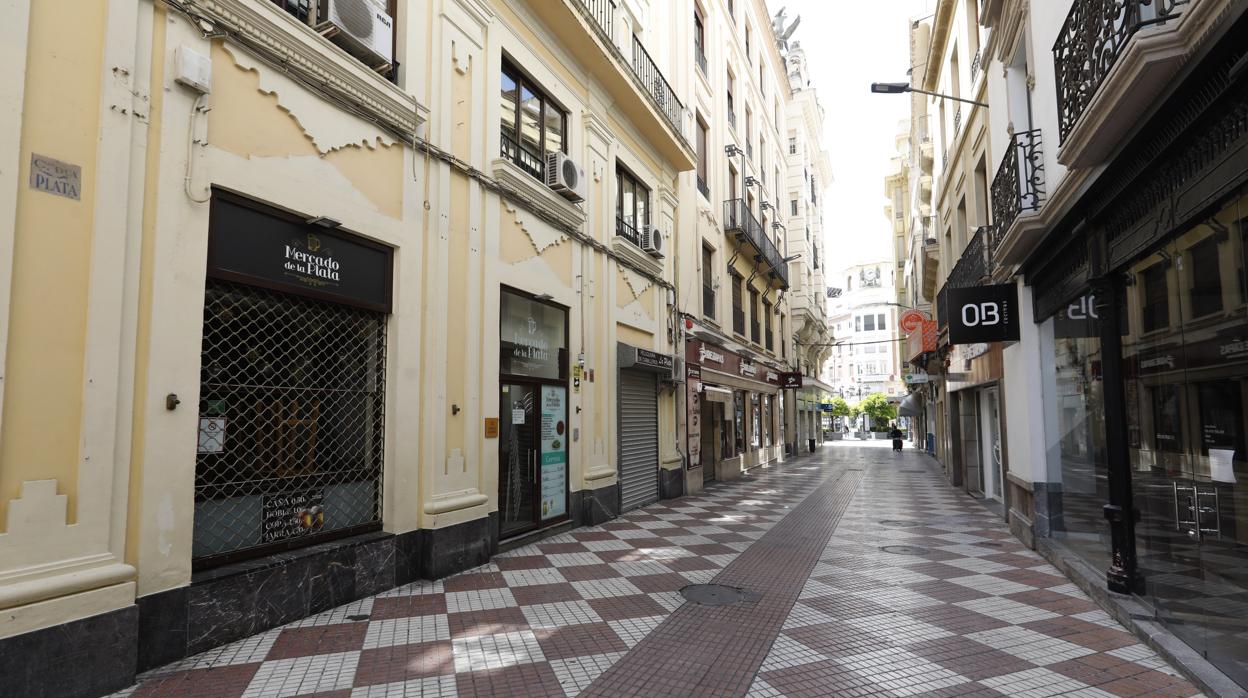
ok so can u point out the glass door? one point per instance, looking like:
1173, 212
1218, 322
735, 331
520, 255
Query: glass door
517, 459
1164, 480
992, 443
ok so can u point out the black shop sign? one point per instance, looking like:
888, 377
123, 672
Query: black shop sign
262, 247
983, 314
791, 380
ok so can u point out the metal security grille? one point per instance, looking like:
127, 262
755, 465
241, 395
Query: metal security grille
639, 440
291, 418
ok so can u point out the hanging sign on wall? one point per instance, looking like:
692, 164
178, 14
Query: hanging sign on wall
983, 314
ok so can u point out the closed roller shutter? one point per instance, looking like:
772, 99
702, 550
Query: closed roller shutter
639, 440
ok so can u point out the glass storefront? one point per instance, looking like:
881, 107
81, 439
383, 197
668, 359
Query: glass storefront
1082, 465
1185, 361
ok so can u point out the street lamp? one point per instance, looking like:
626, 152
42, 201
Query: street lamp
896, 88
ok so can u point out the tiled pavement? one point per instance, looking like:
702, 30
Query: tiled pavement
974, 613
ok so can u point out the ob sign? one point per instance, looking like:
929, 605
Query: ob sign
983, 314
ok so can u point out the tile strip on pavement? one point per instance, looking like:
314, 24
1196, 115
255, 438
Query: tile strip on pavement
716, 650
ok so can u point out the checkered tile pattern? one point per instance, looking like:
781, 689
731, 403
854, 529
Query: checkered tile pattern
978, 614
545, 619
974, 613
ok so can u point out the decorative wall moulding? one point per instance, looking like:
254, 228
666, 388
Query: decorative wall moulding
273, 35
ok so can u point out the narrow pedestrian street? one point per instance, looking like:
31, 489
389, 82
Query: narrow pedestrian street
852, 572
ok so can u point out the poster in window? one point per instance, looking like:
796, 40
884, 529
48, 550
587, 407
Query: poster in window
554, 452
293, 514
531, 338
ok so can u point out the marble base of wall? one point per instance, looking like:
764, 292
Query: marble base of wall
596, 506
671, 483
90, 657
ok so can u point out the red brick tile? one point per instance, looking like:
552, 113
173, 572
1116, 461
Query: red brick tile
216, 682
579, 640
494, 621
544, 593
522, 562
474, 580
559, 548
656, 583
690, 564
584, 573
404, 662
321, 639
408, 606
620, 607
509, 682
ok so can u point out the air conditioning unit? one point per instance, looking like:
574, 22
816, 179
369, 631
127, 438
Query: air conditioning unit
565, 176
361, 27
652, 241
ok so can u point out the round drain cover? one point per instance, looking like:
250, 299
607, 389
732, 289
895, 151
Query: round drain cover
717, 595
898, 523
905, 550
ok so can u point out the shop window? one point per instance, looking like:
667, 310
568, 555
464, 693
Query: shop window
756, 420
1207, 279
531, 124
291, 421
738, 401
1156, 310
632, 206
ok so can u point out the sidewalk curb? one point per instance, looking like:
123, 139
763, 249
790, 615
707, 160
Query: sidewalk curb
1137, 618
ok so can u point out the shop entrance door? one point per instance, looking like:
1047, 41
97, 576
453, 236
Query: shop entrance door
532, 465
994, 474
711, 428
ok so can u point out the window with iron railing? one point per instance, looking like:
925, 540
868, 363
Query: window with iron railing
531, 124
632, 206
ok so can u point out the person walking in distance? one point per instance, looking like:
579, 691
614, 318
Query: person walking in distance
895, 435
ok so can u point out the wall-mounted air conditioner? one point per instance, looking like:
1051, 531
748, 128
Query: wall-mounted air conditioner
652, 241
565, 176
361, 27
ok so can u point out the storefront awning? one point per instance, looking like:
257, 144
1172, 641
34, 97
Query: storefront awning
711, 393
909, 406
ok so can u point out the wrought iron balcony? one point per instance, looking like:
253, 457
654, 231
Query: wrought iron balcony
643, 67
708, 301
627, 231
1095, 34
971, 269
700, 56
738, 219
957, 120
660, 91
1019, 183
703, 187
975, 65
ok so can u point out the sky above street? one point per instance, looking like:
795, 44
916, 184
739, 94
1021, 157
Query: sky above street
848, 46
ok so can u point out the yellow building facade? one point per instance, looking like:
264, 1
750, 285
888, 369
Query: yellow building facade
297, 308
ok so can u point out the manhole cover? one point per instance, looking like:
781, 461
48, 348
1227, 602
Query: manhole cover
899, 523
717, 595
905, 550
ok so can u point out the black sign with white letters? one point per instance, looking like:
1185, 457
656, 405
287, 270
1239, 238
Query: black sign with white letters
983, 314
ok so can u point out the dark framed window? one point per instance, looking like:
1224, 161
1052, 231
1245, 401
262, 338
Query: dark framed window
792, 145
738, 313
793, 210
702, 146
732, 107
879, 322
767, 335
699, 38
754, 326
708, 282
531, 124
1156, 310
868, 323
1206, 278
632, 206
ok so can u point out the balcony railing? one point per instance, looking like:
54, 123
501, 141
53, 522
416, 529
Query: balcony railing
740, 220
971, 269
1019, 184
643, 67
703, 187
521, 156
603, 12
1095, 34
957, 120
627, 231
700, 56
732, 115
738, 321
661, 92
708, 301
